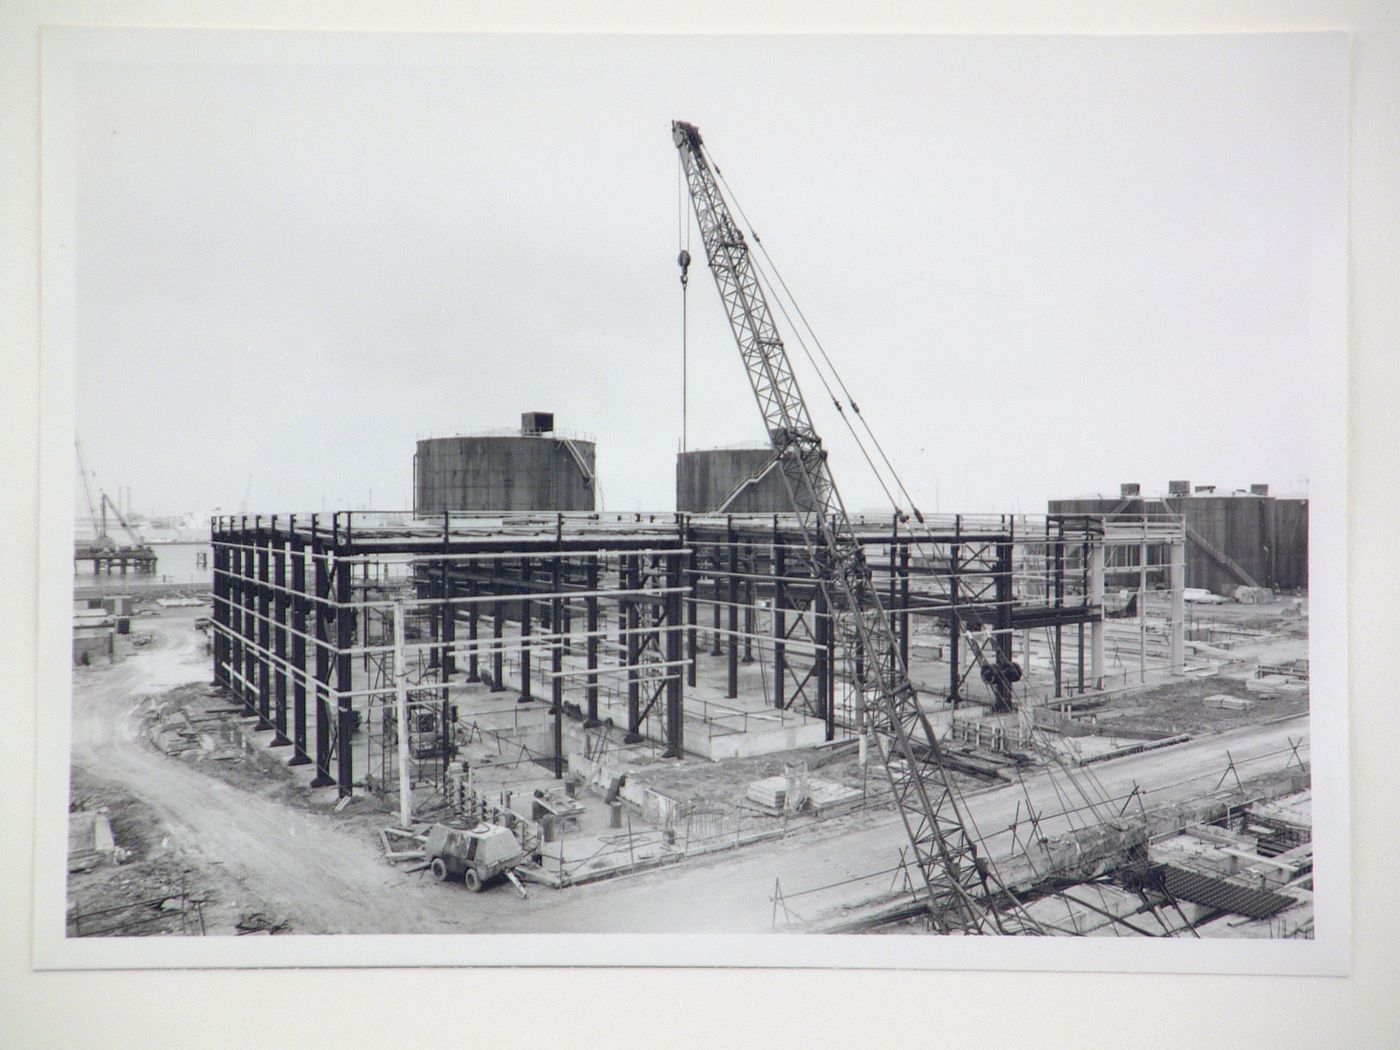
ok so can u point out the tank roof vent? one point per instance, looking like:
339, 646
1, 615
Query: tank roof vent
536, 422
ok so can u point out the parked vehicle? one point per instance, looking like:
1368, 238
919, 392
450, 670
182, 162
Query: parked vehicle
476, 856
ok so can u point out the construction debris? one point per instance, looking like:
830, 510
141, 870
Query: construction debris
90, 841
260, 922
1253, 595
1223, 701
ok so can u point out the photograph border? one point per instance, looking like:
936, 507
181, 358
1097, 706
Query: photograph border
1328, 953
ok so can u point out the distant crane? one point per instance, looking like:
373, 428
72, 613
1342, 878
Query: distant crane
98, 534
103, 551
130, 532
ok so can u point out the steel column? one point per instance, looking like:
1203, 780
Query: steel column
526, 614
675, 692
250, 622
498, 660
281, 606
473, 661
633, 650
345, 640
1002, 690
300, 607
779, 622
904, 622
733, 690
556, 664
954, 626
590, 644
825, 662
322, 614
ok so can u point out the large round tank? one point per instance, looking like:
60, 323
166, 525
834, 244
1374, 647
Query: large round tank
1265, 536
709, 481
528, 471
1291, 542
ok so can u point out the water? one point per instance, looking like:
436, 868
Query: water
176, 563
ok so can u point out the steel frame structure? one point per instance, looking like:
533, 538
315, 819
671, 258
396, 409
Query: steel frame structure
562, 608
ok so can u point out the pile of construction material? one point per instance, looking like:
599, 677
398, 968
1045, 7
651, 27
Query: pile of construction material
1226, 702
1134, 749
90, 841
212, 733
1253, 595
770, 793
1272, 684
802, 794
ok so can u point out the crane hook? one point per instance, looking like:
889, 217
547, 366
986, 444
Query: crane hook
684, 260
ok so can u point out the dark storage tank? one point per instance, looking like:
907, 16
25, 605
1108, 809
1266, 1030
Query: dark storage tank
534, 469
1291, 541
730, 481
1227, 537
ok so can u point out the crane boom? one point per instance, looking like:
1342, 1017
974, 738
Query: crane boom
97, 530
130, 532
962, 887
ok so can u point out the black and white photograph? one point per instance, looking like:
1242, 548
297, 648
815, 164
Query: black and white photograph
694, 500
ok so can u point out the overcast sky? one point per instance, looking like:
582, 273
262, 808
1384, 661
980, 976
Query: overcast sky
1043, 266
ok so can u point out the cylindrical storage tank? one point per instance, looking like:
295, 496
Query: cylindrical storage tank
1291, 543
1238, 528
730, 481
513, 472
1265, 536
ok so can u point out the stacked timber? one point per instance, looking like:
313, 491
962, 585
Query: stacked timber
770, 792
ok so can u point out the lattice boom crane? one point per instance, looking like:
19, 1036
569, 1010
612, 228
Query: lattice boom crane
963, 890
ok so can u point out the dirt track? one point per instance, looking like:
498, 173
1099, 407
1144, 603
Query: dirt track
262, 853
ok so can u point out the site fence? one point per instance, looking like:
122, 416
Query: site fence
135, 918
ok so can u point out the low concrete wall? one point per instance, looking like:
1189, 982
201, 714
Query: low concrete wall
754, 741
1063, 724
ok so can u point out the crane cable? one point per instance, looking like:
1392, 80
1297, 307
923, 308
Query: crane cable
840, 382
683, 260
1094, 784
762, 276
764, 280
836, 374
922, 527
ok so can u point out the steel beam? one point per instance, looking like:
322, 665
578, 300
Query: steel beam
281, 606
323, 615
300, 608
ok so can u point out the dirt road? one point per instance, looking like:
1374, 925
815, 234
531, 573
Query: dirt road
325, 876
262, 854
